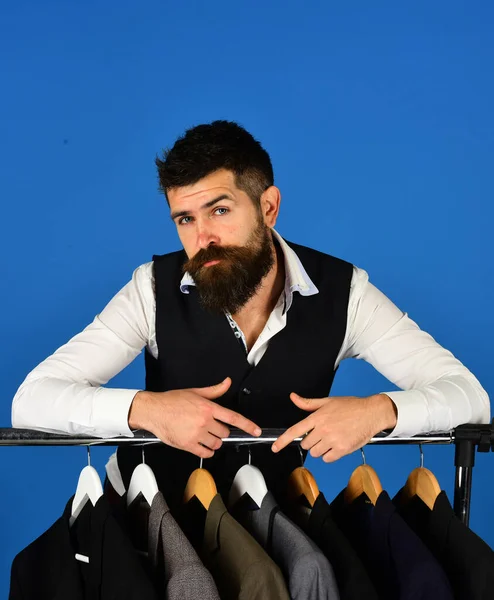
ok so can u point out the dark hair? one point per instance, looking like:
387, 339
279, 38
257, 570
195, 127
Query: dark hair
206, 148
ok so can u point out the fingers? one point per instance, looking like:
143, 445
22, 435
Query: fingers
211, 441
310, 440
295, 431
214, 391
207, 446
309, 404
219, 429
320, 448
202, 451
236, 420
332, 456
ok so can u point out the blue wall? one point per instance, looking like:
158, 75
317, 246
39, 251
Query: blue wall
379, 123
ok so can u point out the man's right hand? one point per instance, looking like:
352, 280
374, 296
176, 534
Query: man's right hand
188, 419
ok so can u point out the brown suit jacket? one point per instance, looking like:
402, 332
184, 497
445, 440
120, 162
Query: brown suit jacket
240, 567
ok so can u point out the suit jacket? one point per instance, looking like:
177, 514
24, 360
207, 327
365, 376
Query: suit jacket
305, 568
466, 558
184, 575
241, 568
47, 568
352, 578
399, 563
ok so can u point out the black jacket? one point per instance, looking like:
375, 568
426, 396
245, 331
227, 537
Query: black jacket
465, 557
48, 570
352, 578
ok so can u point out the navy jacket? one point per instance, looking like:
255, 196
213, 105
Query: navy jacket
399, 563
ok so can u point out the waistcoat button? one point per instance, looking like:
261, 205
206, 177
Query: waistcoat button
246, 391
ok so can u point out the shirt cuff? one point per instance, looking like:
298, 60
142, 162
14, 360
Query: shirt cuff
111, 411
413, 413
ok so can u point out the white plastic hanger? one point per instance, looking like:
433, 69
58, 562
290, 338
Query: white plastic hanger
142, 482
88, 488
248, 480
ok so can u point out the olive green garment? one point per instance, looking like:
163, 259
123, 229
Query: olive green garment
240, 567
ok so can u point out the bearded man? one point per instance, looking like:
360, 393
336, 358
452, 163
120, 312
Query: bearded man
242, 328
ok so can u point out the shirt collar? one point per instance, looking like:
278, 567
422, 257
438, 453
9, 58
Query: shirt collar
296, 277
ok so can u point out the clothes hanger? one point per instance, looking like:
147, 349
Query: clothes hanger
302, 486
363, 480
200, 484
199, 492
143, 481
88, 488
422, 483
248, 480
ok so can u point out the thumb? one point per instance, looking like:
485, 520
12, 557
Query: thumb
215, 391
309, 404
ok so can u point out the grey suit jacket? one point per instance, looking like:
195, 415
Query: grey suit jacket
305, 568
185, 577
241, 568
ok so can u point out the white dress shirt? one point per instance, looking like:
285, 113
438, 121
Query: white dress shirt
65, 393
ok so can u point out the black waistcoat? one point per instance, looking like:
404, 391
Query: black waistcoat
197, 349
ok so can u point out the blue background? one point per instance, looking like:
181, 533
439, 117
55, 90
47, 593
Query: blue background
378, 119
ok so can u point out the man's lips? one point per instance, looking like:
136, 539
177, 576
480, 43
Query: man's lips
210, 263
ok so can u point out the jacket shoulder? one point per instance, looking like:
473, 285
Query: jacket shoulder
317, 255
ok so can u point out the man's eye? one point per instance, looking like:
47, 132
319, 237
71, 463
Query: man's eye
182, 220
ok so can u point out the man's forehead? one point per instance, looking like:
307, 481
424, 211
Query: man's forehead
221, 182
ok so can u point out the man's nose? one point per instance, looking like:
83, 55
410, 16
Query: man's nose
206, 236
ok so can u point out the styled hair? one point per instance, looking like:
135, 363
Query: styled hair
207, 148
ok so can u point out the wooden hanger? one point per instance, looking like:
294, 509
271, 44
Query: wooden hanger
301, 484
422, 483
364, 480
201, 484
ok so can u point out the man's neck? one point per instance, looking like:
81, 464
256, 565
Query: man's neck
263, 302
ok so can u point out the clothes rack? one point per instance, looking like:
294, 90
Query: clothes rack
466, 438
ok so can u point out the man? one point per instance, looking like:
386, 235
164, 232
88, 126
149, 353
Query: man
242, 329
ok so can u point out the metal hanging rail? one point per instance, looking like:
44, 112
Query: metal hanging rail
465, 437
31, 437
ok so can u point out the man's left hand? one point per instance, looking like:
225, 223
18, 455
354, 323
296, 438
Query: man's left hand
338, 425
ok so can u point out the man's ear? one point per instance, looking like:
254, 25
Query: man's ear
270, 205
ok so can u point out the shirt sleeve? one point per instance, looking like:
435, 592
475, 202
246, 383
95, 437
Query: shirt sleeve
438, 392
65, 393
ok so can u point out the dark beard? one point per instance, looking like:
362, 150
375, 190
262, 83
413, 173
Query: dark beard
229, 285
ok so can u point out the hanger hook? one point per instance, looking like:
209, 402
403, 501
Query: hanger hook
301, 455
88, 455
363, 456
143, 457
200, 463
250, 456
421, 456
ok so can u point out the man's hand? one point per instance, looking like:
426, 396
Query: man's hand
338, 425
188, 419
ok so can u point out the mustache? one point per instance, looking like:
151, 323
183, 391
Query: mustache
205, 255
